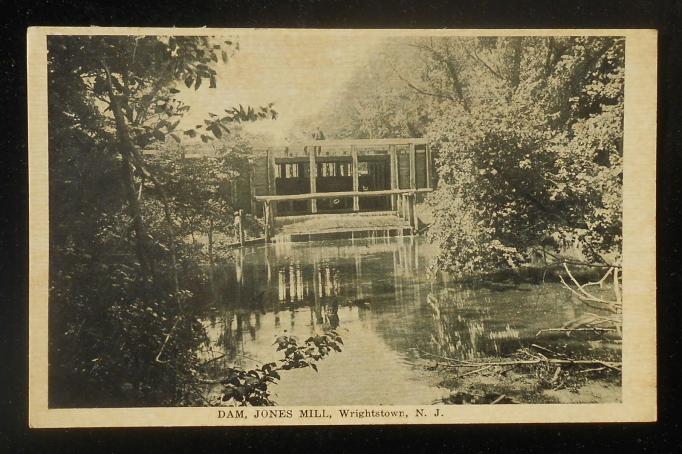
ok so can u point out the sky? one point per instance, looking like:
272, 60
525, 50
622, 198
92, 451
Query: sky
300, 73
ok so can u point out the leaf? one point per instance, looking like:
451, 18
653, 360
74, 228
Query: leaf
188, 81
191, 132
215, 129
175, 137
198, 83
224, 55
174, 90
158, 135
314, 366
212, 82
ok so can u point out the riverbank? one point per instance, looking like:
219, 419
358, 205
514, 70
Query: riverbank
595, 378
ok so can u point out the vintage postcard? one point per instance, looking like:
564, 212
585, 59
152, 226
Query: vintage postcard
242, 227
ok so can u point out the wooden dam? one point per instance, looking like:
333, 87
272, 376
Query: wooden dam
340, 187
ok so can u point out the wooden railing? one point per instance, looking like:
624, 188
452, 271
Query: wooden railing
334, 195
405, 207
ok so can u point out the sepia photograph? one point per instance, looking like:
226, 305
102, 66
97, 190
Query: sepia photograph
245, 227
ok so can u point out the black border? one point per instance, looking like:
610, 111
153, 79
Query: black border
18, 15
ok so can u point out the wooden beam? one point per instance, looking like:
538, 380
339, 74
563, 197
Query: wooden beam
413, 167
252, 191
329, 195
429, 176
269, 172
341, 143
272, 179
393, 175
267, 216
415, 219
356, 179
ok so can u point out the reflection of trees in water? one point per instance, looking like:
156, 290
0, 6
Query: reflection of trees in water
245, 291
234, 324
453, 322
389, 295
388, 289
460, 325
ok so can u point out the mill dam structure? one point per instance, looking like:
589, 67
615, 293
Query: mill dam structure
342, 187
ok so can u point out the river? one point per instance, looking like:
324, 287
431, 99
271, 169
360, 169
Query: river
376, 294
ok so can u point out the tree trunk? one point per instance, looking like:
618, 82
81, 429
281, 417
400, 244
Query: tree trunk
211, 280
210, 243
142, 243
129, 153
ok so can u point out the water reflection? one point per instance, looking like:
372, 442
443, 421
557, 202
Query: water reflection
376, 292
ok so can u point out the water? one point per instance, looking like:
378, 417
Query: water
376, 293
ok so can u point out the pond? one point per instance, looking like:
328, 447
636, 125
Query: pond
375, 292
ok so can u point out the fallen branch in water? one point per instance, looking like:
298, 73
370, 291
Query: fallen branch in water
498, 400
535, 360
471, 372
568, 331
587, 298
165, 342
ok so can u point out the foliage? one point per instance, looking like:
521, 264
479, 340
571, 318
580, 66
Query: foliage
250, 387
122, 273
375, 103
526, 134
541, 160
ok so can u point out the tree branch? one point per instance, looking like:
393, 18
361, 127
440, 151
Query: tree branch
452, 71
420, 90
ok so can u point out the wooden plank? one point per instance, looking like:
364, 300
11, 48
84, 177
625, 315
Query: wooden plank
272, 178
266, 216
393, 175
429, 163
403, 170
333, 195
340, 143
313, 177
421, 177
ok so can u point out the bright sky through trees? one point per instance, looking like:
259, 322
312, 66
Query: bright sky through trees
300, 73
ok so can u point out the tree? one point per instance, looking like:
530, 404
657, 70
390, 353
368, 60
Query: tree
117, 319
378, 101
531, 150
526, 134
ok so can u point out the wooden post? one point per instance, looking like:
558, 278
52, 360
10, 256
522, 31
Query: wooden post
415, 220
393, 175
241, 227
267, 215
403, 206
411, 211
252, 192
356, 180
413, 168
429, 176
269, 173
313, 177
272, 175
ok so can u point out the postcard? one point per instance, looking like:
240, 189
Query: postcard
246, 227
